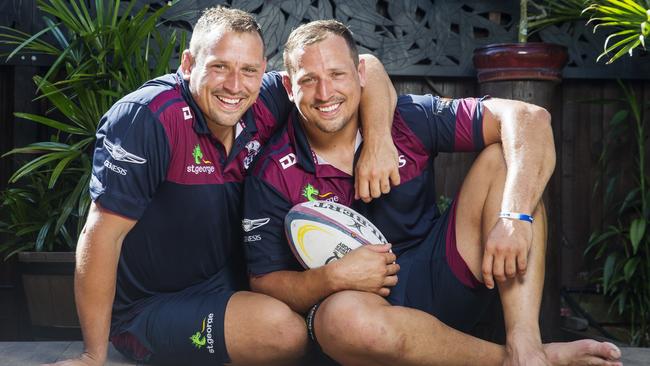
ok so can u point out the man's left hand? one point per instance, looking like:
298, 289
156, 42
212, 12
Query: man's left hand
377, 170
506, 250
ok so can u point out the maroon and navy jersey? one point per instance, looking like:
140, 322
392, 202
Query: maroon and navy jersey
288, 173
156, 161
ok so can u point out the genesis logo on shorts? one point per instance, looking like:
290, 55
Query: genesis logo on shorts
200, 165
203, 337
118, 153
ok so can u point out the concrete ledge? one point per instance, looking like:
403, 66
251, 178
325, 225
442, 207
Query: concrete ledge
36, 353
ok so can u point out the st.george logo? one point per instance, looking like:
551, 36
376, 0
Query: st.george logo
203, 337
312, 194
200, 166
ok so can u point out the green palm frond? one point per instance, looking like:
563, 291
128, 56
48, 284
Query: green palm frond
627, 22
101, 51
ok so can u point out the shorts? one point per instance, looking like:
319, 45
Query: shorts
182, 328
435, 279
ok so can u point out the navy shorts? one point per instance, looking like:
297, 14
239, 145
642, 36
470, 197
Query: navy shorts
435, 279
182, 328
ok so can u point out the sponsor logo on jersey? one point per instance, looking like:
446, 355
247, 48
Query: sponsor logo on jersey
118, 153
187, 114
117, 169
252, 238
203, 338
312, 194
288, 160
249, 225
200, 166
253, 148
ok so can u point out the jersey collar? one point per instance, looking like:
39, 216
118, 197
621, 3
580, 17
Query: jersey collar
306, 157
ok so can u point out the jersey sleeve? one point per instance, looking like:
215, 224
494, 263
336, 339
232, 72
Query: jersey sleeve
130, 159
275, 96
265, 243
442, 124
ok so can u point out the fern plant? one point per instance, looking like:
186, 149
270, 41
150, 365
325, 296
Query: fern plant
100, 54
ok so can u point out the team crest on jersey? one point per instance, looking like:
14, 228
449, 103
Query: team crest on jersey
312, 194
253, 147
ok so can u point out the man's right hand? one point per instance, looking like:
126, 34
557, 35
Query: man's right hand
370, 268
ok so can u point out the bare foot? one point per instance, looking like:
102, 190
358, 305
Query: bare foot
525, 350
583, 352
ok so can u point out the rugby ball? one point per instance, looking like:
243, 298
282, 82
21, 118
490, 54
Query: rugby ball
320, 232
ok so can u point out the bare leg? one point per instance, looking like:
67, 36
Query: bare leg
261, 330
363, 329
478, 206
360, 328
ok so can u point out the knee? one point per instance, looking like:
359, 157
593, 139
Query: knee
492, 159
345, 324
288, 334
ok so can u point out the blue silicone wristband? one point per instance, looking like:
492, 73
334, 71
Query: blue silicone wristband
516, 216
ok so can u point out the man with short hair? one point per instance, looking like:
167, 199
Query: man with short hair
161, 240
409, 303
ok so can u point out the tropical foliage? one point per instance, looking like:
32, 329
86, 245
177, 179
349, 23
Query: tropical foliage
625, 243
627, 22
99, 53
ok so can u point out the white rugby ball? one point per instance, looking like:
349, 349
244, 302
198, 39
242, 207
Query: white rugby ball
320, 232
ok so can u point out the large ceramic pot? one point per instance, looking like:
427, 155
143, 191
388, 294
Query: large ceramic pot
520, 61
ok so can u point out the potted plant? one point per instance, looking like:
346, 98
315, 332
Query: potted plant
99, 55
523, 60
627, 22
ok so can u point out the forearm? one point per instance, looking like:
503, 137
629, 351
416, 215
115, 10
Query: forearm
378, 101
299, 290
529, 151
94, 292
97, 256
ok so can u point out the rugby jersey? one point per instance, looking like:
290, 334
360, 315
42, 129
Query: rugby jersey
288, 172
156, 161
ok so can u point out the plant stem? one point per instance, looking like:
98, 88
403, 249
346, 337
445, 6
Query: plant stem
523, 21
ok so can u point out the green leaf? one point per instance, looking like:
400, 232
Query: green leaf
608, 270
630, 268
637, 230
619, 117
596, 239
40, 240
27, 42
51, 123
